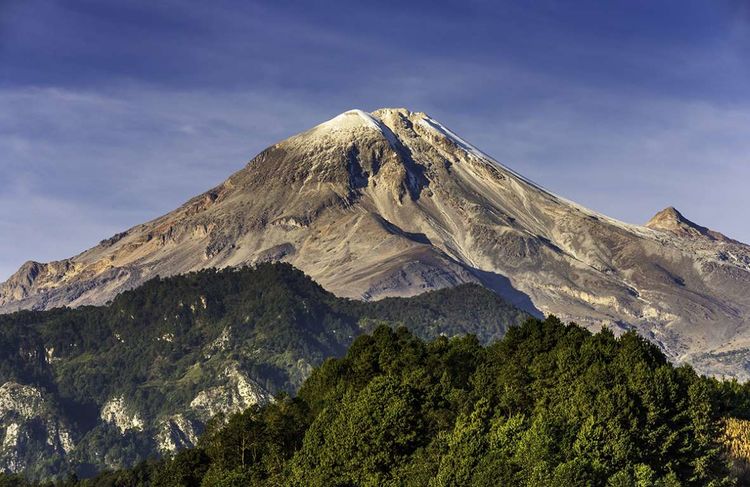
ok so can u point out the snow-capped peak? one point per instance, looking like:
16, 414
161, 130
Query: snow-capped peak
356, 118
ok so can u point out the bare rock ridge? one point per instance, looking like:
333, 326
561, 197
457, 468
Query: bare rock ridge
30, 426
671, 220
393, 203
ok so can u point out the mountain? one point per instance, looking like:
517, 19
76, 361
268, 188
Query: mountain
392, 203
92, 388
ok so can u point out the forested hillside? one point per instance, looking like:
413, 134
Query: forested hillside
106, 387
548, 405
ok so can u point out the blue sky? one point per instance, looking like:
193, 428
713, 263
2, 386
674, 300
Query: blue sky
114, 112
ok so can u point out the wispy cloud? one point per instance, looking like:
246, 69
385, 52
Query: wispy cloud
113, 113
79, 166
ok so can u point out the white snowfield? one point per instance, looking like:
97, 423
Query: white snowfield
393, 203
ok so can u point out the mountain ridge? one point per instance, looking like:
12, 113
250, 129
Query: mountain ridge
393, 203
673, 221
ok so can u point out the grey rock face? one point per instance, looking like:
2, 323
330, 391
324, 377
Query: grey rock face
116, 412
31, 428
393, 203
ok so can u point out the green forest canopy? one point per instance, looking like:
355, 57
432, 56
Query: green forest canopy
549, 404
160, 345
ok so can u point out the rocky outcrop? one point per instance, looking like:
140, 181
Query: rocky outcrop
393, 203
116, 412
175, 433
672, 221
31, 428
237, 393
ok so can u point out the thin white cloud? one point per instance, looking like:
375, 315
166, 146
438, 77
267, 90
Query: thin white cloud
79, 166
99, 161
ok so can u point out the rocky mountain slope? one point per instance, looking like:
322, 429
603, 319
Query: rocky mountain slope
104, 387
393, 203
672, 221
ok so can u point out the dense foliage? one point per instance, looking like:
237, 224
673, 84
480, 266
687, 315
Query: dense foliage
159, 345
549, 404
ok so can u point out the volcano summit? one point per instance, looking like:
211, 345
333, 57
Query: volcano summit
392, 203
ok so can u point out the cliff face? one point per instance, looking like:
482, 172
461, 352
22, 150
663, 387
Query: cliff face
31, 427
393, 203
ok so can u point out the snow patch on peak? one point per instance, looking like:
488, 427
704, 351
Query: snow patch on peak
356, 118
351, 119
441, 129
432, 124
369, 120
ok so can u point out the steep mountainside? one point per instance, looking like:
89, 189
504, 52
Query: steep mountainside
393, 203
94, 387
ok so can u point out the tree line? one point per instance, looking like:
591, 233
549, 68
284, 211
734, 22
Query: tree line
549, 404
